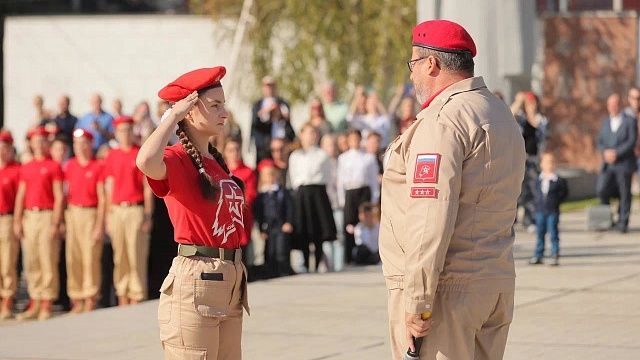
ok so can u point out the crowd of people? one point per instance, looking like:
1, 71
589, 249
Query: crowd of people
75, 187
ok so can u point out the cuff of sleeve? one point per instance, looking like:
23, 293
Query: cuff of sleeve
418, 306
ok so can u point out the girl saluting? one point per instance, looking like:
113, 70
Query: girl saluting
201, 301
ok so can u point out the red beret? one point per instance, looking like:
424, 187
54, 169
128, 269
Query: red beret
5, 136
77, 133
443, 35
192, 81
38, 130
122, 119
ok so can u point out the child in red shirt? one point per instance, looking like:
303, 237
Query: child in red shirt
38, 214
232, 153
201, 300
129, 212
84, 177
9, 244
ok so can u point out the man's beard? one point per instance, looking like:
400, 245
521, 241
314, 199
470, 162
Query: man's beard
421, 95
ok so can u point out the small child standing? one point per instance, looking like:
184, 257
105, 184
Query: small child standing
274, 215
366, 235
551, 191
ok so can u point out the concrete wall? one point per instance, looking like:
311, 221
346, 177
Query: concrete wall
128, 57
506, 43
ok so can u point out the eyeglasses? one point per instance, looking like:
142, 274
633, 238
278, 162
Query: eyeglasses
412, 63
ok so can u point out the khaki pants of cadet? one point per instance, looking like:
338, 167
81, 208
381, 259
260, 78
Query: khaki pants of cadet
83, 253
130, 251
202, 319
467, 324
41, 255
9, 246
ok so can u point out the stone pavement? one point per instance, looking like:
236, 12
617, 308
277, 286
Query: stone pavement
588, 308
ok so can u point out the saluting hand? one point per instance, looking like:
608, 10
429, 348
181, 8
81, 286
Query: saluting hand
182, 107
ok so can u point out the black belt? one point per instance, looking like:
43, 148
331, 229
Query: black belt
129, 204
218, 253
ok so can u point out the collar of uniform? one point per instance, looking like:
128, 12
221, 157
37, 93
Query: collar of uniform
461, 86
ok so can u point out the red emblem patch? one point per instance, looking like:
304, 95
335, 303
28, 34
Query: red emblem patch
427, 168
424, 192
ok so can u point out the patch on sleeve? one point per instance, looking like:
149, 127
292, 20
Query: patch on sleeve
427, 168
424, 192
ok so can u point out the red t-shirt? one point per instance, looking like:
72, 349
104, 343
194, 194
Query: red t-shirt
127, 183
83, 181
248, 176
9, 179
196, 220
38, 176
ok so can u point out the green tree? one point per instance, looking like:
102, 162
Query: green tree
348, 41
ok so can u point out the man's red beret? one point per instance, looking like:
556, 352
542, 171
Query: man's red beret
192, 81
443, 35
122, 119
38, 130
77, 133
5, 136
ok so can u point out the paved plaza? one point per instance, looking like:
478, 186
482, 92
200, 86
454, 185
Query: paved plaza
588, 308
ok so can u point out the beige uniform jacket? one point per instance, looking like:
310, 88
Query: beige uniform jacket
449, 192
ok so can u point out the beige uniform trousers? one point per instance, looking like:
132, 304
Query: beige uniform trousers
41, 255
83, 253
467, 324
202, 319
9, 246
130, 251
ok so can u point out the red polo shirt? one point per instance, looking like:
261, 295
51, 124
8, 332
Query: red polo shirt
9, 179
127, 184
196, 220
38, 176
82, 181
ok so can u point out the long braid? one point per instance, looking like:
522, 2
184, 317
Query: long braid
207, 185
223, 164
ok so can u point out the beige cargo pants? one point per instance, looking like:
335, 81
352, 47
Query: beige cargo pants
202, 319
41, 255
9, 247
130, 251
468, 323
83, 253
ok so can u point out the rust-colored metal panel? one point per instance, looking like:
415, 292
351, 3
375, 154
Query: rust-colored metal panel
586, 58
